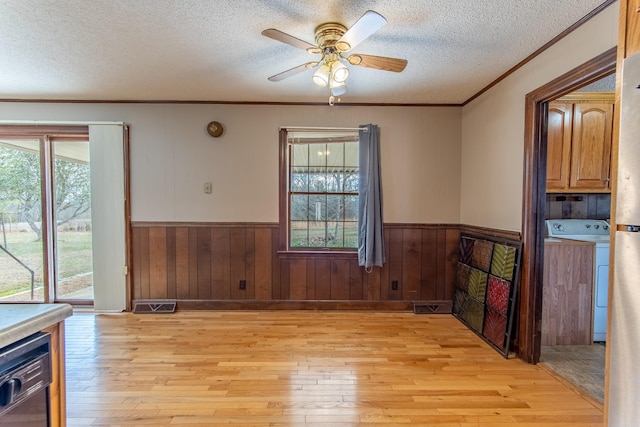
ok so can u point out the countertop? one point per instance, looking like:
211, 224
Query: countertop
18, 321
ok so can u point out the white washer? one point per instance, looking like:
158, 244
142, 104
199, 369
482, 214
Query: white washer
597, 231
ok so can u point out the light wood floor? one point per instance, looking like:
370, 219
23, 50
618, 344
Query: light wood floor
303, 368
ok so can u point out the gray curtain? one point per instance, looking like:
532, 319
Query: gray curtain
370, 235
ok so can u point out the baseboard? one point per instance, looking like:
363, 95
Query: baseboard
435, 307
294, 305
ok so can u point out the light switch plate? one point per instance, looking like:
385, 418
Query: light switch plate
207, 187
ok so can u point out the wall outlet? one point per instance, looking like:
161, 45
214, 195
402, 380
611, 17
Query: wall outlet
394, 285
243, 285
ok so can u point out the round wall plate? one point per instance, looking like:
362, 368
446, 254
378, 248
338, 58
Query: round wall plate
214, 129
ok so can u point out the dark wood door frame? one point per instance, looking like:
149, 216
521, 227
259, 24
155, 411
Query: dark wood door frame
534, 194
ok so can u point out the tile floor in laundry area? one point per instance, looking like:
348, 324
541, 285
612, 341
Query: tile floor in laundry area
581, 365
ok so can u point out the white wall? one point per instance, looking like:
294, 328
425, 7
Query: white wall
493, 126
172, 156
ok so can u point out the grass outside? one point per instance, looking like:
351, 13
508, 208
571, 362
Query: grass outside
74, 253
312, 235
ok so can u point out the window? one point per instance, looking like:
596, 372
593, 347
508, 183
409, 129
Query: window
319, 181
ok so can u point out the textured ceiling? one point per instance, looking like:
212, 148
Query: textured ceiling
208, 50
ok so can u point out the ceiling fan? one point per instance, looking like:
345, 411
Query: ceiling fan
333, 40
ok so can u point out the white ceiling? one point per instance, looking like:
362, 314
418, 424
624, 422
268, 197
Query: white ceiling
212, 50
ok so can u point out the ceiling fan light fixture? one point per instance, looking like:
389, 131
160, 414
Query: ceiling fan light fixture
333, 83
339, 90
343, 46
321, 77
354, 59
339, 72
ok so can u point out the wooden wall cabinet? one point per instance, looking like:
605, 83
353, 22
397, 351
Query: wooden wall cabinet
579, 143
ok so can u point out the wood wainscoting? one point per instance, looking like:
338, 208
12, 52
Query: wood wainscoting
200, 265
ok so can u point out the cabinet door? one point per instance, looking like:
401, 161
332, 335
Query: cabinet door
567, 294
558, 145
591, 146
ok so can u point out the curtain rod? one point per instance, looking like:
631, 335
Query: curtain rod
299, 128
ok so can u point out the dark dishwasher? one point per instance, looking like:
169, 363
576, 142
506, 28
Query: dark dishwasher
25, 375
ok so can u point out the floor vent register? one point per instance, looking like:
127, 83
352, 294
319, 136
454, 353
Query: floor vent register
147, 306
432, 307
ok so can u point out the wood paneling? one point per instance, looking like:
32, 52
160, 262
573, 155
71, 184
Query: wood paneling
220, 282
158, 261
141, 263
263, 259
339, 279
429, 264
204, 265
298, 274
205, 262
182, 262
322, 267
440, 263
371, 283
193, 263
394, 263
356, 281
171, 248
452, 241
237, 262
411, 263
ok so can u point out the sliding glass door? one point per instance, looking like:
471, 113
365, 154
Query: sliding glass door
72, 240
21, 234
45, 215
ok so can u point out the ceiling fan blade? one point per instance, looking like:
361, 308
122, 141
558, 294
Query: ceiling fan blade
378, 62
278, 35
368, 24
293, 71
